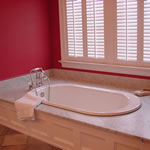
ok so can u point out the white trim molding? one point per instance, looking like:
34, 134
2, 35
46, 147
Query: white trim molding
141, 71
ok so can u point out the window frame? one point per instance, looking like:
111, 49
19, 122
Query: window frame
110, 30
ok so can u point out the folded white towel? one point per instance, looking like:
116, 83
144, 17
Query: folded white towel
25, 106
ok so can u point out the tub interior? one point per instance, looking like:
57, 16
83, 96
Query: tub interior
90, 100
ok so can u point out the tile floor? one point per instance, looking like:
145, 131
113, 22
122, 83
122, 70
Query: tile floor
13, 140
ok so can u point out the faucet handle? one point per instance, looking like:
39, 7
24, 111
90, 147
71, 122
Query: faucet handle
44, 76
30, 85
38, 75
37, 69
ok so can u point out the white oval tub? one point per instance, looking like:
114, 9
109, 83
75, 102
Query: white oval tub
90, 100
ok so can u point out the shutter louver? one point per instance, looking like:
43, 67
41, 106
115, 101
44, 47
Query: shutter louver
127, 30
95, 28
146, 47
74, 28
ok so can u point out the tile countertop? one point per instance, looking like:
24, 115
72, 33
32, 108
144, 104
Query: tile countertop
135, 124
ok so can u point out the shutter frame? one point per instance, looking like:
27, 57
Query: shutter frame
127, 30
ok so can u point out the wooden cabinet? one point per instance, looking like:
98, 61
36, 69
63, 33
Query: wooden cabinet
68, 134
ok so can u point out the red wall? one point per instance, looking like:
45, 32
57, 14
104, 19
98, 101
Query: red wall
55, 34
29, 37
24, 36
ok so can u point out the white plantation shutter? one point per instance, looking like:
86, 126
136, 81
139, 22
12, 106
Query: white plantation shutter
95, 28
74, 27
127, 30
103, 35
146, 52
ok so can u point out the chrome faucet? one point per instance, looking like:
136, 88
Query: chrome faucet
40, 76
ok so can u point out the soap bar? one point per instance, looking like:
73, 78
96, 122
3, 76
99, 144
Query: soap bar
142, 93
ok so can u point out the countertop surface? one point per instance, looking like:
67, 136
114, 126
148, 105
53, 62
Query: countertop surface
135, 124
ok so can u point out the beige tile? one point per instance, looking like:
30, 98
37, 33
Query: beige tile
3, 130
38, 147
11, 131
19, 147
55, 148
16, 139
1, 139
2, 126
31, 140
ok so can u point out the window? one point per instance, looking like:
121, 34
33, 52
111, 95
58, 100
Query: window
85, 29
74, 28
127, 30
95, 28
146, 47
104, 35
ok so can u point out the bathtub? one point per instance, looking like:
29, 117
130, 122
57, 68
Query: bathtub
89, 100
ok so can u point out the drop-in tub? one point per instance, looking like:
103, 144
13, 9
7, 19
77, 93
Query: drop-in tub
90, 100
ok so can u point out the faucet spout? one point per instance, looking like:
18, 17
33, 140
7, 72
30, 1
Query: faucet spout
40, 76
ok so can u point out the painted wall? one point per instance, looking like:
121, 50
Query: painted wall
55, 34
24, 36
30, 37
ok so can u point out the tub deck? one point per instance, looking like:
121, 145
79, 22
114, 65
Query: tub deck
134, 126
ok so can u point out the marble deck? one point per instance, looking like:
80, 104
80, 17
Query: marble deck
136, 124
